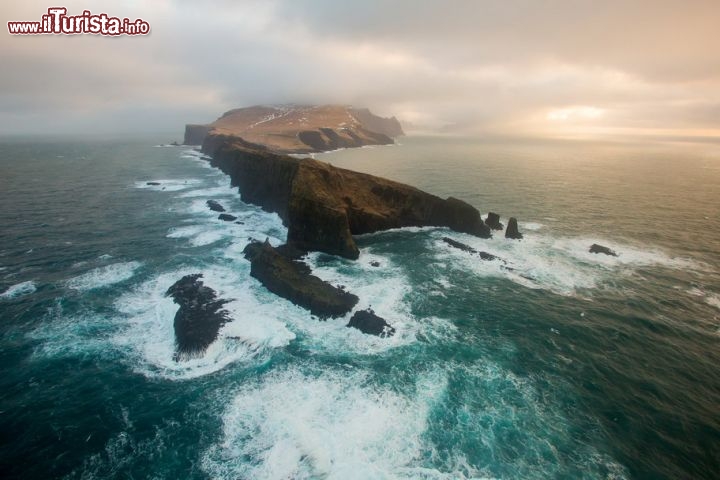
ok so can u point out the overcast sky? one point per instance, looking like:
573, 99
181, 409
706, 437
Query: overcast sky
510, 67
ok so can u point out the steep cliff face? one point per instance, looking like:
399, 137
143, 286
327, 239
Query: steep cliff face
387, 126
324, 206
302, 129
195, 134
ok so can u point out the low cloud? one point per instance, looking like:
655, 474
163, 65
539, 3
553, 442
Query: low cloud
505, 66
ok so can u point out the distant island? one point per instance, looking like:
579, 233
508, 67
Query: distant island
300, 128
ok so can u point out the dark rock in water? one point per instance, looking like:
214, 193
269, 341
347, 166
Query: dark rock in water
226, 217
293, 281
324, 206
367, 322
512, 229
493, 221
374, 264
215, 206
240, 223
595, 248
153, 183
469, 249
199, 318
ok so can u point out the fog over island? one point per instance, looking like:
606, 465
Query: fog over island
521, 67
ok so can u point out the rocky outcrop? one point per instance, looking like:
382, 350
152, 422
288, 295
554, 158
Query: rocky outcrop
493, 221
367, 322
215, 206
301, 129
199, 317
324, 206
512, 229
226, 217
469, 249
595, 248
293, 281
195, 134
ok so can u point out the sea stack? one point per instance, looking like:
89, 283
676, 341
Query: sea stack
199, 318
512, 229
493, 221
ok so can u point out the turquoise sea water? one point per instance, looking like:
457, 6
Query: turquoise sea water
571, 365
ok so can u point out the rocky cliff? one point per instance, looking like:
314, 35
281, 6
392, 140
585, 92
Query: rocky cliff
324, 206
195, 134
301, 129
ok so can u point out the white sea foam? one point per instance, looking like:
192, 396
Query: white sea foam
18, 290
104, 276
222, 188
194, 154
330, 423
561, 265
84, 334
148, 331
173, 185
533, 226
385, 289
713, 300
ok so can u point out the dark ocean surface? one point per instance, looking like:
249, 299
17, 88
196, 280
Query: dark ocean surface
569, 366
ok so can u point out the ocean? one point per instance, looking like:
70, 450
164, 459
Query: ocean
569, 365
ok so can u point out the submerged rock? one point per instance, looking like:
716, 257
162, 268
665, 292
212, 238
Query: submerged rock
512, 229
493, 221
469, 249
215, 206
595, 248
199, 318
226, 217
293, 281
367, 322
154, 184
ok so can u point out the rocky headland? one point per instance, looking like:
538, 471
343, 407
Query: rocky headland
322, 206
300, 129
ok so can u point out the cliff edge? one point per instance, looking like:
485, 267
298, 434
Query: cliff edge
324, 206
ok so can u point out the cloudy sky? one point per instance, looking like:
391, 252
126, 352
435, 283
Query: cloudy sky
506, 67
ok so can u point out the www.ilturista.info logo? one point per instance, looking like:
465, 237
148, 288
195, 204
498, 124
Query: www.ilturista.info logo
58, 22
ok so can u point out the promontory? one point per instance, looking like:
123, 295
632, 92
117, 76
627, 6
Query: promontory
322, 206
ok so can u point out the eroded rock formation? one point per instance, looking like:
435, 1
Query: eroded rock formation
469, 249
293, 281
512, 229
324, 206
493, 221
199, 318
